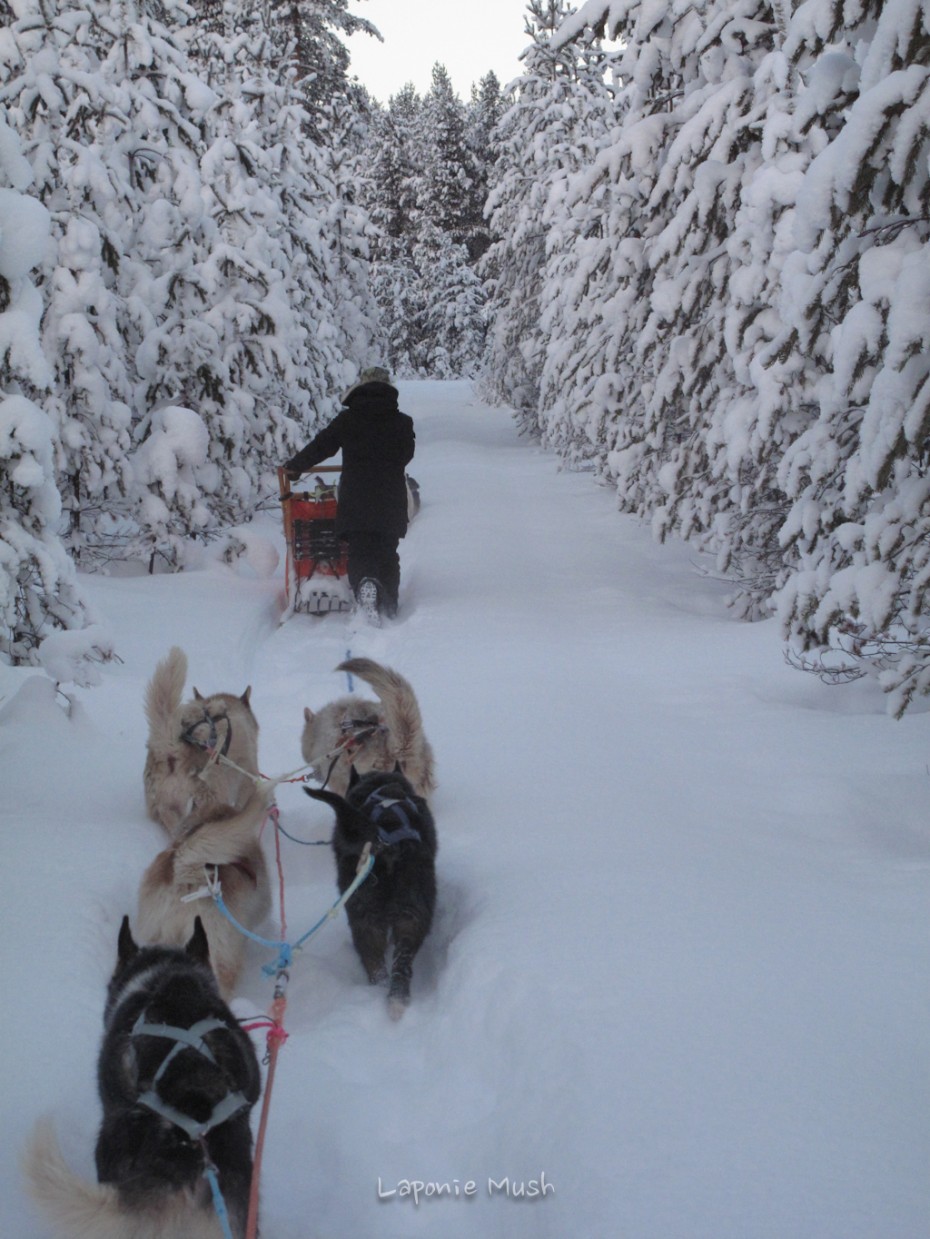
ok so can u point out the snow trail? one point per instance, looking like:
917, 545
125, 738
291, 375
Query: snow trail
682, 889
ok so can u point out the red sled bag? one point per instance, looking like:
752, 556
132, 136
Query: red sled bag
317, 560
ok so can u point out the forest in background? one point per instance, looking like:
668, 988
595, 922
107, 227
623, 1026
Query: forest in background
688, 246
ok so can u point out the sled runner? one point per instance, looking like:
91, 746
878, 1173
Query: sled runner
317, 560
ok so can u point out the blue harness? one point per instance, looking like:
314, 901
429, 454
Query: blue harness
380, 805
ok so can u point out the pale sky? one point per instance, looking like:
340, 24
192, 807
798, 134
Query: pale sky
470, 39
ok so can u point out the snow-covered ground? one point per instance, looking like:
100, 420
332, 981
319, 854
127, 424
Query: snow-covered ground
680, 963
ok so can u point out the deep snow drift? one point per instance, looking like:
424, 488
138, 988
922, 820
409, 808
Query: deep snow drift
680, 963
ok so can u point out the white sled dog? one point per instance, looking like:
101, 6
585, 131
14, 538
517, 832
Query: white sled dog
369, 735
231, 846
183, 786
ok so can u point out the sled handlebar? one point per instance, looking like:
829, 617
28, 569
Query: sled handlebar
284, 482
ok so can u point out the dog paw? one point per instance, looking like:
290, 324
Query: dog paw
397, 1007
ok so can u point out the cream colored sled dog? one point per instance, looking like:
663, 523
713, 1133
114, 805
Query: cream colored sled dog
83, 1210
369, 735
231, 846
183, 786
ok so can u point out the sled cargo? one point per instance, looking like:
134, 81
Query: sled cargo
317, 560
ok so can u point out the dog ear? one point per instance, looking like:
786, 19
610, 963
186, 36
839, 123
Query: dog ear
354, 824
333, 799
126, 946
198, 696
398, 768
198, 947
308, 715
354, 776
246, 695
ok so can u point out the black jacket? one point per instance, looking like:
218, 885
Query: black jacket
377, 442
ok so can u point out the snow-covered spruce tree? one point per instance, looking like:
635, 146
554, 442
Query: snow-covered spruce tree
117, 150
481, 119
38, 585
423, 188
714, 51
387, 189
71, 119
446, 180
178, 308
702, 384
390, 165
859, 477
644, 377
447, 234
594, 389
778, 351
250, 336
452, 315
579, 250
308, 35
539, 140
318, 118
348, 234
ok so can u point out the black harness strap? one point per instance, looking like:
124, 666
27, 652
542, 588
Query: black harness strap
210, 745
380, 806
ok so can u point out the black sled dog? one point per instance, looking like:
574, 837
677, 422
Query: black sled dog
397, 900
177, 1078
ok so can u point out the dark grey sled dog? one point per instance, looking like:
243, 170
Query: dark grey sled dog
177, 1078
398, 899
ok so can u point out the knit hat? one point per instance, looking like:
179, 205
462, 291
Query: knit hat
372, 374
375, 374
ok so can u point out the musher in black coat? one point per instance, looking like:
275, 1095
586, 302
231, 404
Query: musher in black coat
377, 442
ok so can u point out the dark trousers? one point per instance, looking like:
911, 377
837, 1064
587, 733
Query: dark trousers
375, 555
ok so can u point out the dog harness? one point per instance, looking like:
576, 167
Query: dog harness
356, 732
380, 805
211, 744
191, 1038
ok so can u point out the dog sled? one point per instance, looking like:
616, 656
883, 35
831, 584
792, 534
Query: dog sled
317, 560
316, 572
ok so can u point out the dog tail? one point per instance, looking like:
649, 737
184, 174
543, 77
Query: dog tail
402, 716
224, 841
163, 697
78, 1209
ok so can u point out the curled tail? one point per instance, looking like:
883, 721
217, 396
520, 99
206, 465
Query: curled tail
223, 841
402, 717
163, 697
78, 1209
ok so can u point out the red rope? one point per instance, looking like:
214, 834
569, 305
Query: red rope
274, 1040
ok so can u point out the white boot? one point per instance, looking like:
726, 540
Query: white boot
368, 597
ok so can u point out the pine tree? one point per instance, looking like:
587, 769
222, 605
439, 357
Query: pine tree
387, 192
389, 187
308, 34
482, 117
777, 361
38, 586
447, 184
451, 327
538, 141
858, 475
260, 326
349, 234
71, 118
